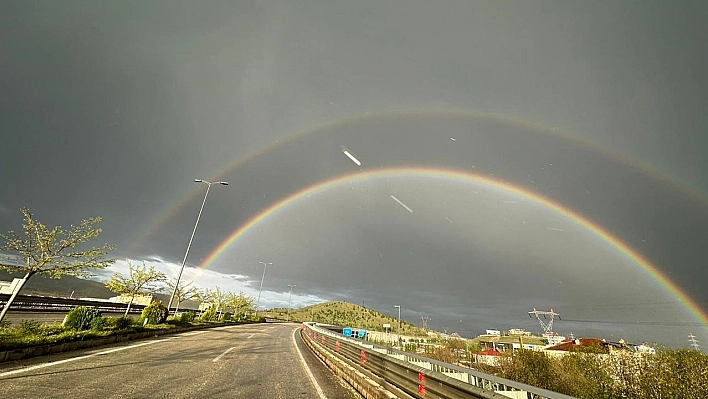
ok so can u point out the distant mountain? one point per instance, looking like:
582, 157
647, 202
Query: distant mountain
348, 315
62, 288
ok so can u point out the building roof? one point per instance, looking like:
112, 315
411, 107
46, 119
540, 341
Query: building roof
573, 345
489, 352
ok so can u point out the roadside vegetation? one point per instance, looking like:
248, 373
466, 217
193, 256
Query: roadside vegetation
83, 323
588, 372
669, 373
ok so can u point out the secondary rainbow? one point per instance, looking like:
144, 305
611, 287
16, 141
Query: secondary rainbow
651, 270
190, 193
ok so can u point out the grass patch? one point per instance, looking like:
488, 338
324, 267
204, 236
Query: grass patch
31, 333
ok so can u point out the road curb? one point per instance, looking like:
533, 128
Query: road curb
47, 349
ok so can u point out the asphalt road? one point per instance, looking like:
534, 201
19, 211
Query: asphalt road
244, 361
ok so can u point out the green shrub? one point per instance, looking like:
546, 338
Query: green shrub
225, 317
80, 317
209, 315
177, 322
99, 323
29, 327
123, 322
186, 316
51, 329
155, 313
5, 324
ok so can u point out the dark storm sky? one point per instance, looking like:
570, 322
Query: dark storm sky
112, 109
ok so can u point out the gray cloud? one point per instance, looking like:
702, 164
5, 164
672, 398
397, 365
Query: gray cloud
113, 109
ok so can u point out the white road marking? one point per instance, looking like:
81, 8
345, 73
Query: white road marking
448, 219
227, 327
189, 334
320, 393
251, 336
216, 359
402, 204
40, 366
554, 229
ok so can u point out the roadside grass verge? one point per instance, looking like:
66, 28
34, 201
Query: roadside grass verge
30, 333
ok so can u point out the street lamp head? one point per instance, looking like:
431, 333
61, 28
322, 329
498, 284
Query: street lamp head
396, 306
198, 180
225, 183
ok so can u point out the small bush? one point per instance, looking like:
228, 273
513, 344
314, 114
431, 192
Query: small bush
123, 322
80, 317
176, 322
5, 324
51, 329
225, 317
99, 323
209, 315
155, 313
28, 327
186, 316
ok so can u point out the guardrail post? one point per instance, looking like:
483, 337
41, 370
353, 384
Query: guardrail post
421, 384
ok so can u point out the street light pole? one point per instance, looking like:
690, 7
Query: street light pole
258, 302
290, 298
184, 261
398, 332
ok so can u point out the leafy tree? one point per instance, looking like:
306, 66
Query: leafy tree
54, 252
240, 304
140, 280
209, 315
216, 297
529, 367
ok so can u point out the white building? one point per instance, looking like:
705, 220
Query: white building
7, 287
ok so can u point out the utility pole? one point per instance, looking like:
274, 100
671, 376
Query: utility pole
258, 302
398, 331
694, 342
290, 298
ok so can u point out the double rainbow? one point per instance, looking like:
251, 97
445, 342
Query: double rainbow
463, 176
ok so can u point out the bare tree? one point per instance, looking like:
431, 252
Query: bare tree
184, 292
53, 252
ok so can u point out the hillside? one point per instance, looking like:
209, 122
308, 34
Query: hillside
347, 314
43, 285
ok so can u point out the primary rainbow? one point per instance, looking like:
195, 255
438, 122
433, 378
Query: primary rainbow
651, 270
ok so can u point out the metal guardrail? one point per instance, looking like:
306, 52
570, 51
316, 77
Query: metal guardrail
32, 303
421, 377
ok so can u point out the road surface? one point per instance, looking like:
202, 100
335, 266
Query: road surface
243, 361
